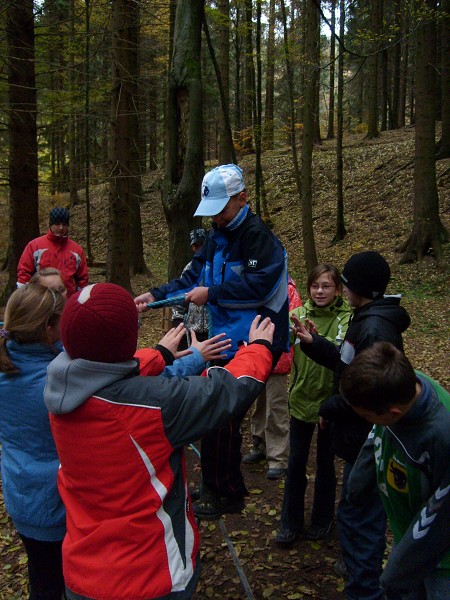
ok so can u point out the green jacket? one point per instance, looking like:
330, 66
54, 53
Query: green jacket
409, 460
311, 384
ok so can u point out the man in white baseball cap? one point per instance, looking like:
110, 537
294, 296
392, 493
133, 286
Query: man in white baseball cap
218, 187
241, 271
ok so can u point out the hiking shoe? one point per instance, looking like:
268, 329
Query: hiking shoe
275, 473
255, 456
340, 569
286, 538
257, 453
315, 532
211, 508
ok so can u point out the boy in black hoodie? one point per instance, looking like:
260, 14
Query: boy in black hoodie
376, 318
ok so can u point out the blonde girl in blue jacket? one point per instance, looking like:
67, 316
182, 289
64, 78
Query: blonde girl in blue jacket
310, 385
29, 341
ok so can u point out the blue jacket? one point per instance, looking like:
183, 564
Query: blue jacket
245, 268
29, 459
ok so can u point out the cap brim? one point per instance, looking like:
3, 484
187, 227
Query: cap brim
209, 207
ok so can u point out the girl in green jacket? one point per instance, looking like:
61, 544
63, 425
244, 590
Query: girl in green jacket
310, 385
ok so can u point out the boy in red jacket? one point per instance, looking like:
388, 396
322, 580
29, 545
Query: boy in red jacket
131, 531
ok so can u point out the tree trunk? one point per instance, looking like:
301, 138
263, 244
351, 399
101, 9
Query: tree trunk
384, 75
397, 56
257, 111
290, 79
87, 133
237, 85
185, 123
136, 148
73, 173
404, 73
270, 82
330, 132
23, 148
444, 142
226, 136
152, 103
118, 258
372, 121
311, 72
247, 141
428, 232
340, 221
225, 150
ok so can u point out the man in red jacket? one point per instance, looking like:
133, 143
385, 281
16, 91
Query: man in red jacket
55, 249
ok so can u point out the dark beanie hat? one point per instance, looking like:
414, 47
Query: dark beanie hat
367, 274
59, 214
100, 323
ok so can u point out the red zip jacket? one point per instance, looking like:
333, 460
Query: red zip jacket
131, 532
283, 366
55, 251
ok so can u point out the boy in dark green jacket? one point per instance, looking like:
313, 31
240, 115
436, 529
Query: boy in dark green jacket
408, 453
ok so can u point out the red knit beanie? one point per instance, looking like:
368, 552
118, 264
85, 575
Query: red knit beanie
100, 323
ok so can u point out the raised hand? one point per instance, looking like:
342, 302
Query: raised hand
172, 340
212, 348
261, 330
301, 330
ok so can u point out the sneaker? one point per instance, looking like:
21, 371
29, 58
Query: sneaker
211, 508
275, 473
255, 456
286, 538
315, 532
340, 569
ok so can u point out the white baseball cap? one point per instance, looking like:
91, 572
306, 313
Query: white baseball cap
217, 188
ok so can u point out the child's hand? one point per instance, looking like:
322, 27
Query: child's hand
301, 331
261, 330
212, 348
311, 326
172, 340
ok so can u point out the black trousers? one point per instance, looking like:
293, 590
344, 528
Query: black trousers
221, 455
292, 513
44, 569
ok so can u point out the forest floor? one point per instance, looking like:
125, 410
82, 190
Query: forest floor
378, 208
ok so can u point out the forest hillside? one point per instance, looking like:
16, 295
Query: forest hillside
378, 209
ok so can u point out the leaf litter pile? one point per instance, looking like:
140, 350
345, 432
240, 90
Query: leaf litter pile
378, 196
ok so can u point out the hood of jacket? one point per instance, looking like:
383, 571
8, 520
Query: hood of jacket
387, 308
71, 382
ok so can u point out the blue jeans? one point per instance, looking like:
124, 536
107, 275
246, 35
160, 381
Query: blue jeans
292, 512
362, 535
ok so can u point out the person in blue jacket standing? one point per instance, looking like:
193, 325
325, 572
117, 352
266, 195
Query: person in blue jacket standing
29, 341
240, 272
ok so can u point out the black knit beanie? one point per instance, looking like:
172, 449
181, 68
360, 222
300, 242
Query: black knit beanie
367, 274
59, 214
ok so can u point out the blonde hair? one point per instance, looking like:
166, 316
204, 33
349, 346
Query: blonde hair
28, 312
41, 275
